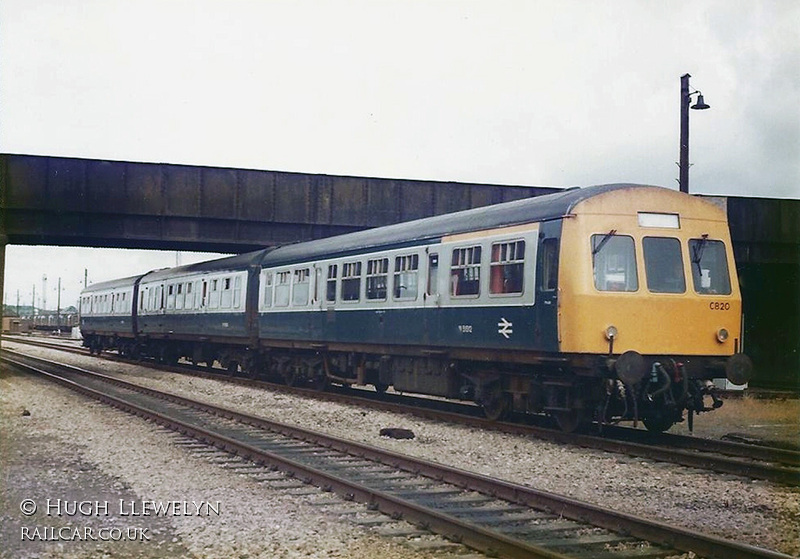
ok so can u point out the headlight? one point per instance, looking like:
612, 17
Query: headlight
611, 333
722, 335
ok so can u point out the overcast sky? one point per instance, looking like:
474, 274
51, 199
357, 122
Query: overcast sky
522, 92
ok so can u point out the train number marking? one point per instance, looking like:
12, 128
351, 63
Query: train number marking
719, 306
504, 328
465, 328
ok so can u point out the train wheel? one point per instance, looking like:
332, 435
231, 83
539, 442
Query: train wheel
320, 380
380, 387
289, 372
496, 406
167, 356
230, 365
251, 366
657, 424
568, 421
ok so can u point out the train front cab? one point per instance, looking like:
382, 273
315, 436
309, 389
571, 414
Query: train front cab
648, 296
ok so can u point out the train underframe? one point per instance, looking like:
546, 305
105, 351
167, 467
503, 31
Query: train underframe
575, 390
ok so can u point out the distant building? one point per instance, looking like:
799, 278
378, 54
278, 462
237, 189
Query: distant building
16, 325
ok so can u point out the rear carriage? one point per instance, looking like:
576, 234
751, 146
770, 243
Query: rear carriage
106, 313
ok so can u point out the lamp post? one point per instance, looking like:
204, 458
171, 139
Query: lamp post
686, 99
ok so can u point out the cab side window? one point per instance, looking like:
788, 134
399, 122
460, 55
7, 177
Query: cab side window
549, 264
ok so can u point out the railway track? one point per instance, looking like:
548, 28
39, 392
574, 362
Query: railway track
494, 516
774, 464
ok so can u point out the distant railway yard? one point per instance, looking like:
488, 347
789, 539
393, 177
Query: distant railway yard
240, 486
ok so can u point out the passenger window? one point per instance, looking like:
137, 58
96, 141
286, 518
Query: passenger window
267, 301
351, 281
506, 269
406, 271
330, 294
171, 296
614, 263
465, 272
237, 292
300, 288
710, 273
377, 278
226, 297
549, 264
213, 300
663, 265
282, 283
433, 274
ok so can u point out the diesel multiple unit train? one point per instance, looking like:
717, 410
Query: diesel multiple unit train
605, 303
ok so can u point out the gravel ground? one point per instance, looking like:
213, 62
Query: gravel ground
754, 512
74, 449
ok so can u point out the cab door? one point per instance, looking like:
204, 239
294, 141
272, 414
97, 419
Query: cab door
545, 331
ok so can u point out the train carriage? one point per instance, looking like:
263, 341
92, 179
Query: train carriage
106, 313
595, 303
199, 311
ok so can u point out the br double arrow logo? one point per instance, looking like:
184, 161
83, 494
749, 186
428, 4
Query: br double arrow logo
504, 328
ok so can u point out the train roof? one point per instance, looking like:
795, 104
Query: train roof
228, 263
112, 284
430, 229
421, 231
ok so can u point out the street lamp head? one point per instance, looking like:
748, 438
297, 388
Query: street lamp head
701, 104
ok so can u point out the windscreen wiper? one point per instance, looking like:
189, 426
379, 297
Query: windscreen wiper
603, 241
697, 255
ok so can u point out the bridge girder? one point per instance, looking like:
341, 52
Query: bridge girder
82, 202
